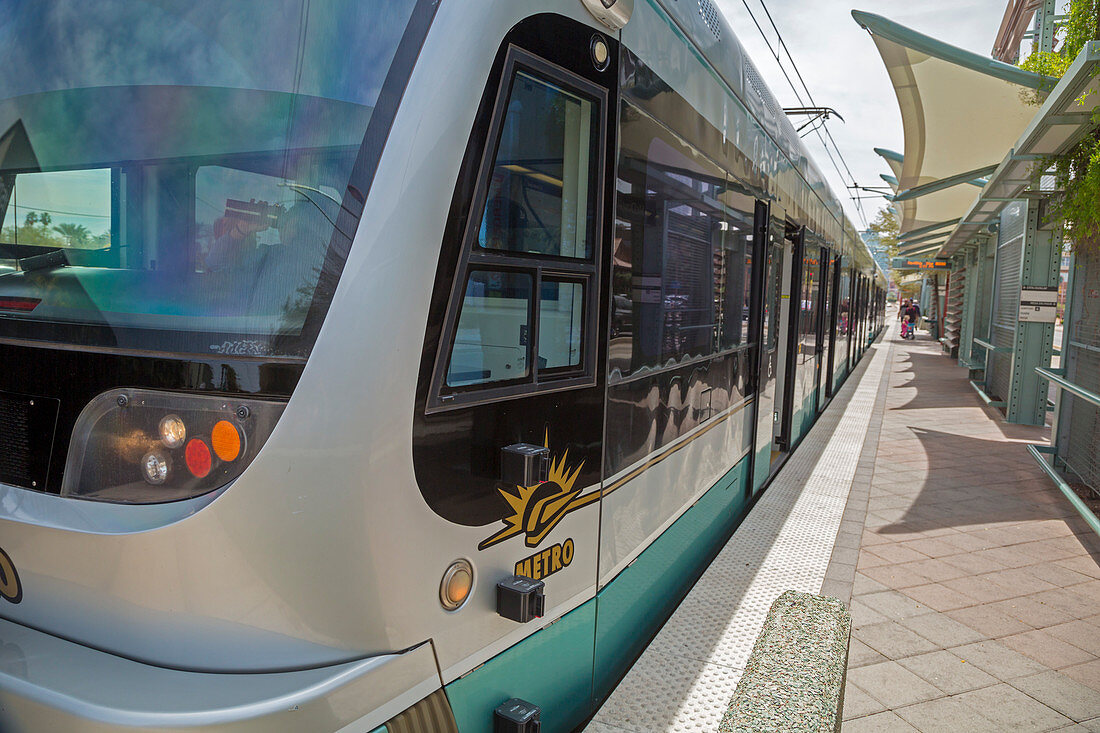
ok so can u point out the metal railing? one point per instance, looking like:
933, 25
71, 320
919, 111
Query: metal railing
1037, 452
1057, 376
990, 347
986, 398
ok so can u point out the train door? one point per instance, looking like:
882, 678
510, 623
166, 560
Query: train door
765, 317
509, 412
823, 316
809, 353
863, 293
853, 302
862, 323
831, 324
857, 321
790, 315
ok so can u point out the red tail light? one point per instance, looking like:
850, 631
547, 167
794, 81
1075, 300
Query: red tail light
23, 305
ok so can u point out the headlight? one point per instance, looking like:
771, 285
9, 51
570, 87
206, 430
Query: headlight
140, 446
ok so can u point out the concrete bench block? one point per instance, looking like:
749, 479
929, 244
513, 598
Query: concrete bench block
794, 679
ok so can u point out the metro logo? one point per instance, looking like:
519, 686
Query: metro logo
546, 563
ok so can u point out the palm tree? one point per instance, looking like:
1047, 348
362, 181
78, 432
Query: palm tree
76, 234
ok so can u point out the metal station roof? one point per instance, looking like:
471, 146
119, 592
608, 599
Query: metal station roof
960, 112
1058, 125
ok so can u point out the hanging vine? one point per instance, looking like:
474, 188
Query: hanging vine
1077, 173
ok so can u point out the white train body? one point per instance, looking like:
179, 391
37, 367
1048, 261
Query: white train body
304, 592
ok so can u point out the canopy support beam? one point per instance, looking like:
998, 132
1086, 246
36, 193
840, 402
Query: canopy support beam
948, 182
926, 229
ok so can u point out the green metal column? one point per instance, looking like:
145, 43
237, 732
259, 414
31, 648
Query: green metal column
1044, 20
970, 294
1034, 342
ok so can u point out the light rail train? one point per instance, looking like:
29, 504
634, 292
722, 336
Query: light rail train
322, 320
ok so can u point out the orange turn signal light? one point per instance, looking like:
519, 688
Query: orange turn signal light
226, 441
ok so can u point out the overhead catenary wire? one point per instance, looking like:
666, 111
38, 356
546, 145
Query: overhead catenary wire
777, 53
781, 44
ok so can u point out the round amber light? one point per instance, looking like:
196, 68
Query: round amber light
226, 441
599, 50
457, 584
601, 54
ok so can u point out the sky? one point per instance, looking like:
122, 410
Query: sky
843, 69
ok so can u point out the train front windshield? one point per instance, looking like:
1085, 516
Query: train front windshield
175, 175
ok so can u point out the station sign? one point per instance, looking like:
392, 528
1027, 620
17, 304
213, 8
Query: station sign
908, 263
1038, 303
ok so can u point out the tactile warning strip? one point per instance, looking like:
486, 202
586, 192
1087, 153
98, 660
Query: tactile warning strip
686, 677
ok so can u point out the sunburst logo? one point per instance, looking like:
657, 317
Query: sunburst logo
10, 589
538, 508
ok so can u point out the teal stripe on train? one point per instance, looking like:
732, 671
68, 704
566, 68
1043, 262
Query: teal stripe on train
555, 667
633, 606
551, 668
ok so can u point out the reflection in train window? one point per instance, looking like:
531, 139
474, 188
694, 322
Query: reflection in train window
240, 210
681, 259
733, 277
491, 341
542, 193
561, 312
811, 298
844, 299
773, 290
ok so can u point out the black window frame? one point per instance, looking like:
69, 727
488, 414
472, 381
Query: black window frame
541, 267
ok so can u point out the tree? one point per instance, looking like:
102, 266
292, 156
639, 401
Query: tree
31, 220
1076, 171
77, 234
887, 228
44, 219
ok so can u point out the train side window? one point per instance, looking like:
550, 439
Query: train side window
523, 315
542, 188
561, 319
491, 339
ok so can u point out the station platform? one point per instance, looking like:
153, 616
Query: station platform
973, 584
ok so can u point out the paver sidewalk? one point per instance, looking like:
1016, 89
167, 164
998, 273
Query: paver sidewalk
976, 592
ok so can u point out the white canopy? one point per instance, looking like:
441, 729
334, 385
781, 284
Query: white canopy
960, 113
